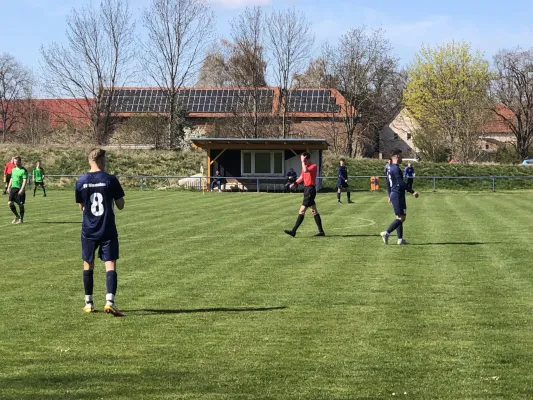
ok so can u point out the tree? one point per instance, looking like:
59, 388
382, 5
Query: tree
367, 75
315, 76
246, 68
290, 43
96, 60
214, 70
15, 84
179, 33
513, 87
447, 94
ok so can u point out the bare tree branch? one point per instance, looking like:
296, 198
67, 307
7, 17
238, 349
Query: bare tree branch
96, 60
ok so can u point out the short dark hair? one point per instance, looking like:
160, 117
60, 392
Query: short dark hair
306, 155
396, 152
342, 159
17, 158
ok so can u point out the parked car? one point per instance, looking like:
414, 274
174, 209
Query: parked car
409, 160
528, 161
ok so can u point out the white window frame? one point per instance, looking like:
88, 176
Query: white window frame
271, 173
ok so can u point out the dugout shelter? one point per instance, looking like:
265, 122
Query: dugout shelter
259, 164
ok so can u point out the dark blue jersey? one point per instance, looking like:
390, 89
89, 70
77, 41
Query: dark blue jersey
397, 184
97, 192
409, 172
387, 179
343, 172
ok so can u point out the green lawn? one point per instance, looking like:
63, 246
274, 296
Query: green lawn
221, 304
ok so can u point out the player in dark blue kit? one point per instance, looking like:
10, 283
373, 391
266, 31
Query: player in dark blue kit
342, 181
97, 192
397, 198
387, 180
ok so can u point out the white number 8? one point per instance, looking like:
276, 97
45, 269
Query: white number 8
97, 205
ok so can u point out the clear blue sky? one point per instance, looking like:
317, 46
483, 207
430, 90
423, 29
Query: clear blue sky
488, 25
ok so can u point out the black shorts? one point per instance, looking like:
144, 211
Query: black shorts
8, 178
41, 184
309, 196
14, 196
342, 184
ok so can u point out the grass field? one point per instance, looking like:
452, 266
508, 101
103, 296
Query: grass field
221, 304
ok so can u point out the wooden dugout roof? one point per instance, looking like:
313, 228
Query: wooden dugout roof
259, 144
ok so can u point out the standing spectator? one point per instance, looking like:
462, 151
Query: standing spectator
38, 178
409, 174
7, 173
291, 179
387, 177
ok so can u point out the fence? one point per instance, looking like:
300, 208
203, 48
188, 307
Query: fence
277, 184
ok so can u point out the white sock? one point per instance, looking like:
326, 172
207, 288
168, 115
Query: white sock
110, 298
88, 298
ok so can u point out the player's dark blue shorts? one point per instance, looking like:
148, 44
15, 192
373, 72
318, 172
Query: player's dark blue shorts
399, 204
107, 249
341, 184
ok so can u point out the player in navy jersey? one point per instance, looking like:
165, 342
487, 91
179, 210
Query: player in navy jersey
97, 192
342, 181
387, 180
397, 198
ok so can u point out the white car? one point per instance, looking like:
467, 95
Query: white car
409, 160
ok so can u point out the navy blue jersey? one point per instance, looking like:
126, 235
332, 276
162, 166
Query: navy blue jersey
97, 192
409, 172
397, 184
387, 178
343, 172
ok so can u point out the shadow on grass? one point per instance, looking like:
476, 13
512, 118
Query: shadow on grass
452, 243
352, 235
202, 310
60, 222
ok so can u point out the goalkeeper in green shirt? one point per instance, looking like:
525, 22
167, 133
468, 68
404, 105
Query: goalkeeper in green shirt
38, 178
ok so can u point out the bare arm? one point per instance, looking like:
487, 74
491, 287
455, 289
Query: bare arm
120, 203
23, 187
81, 206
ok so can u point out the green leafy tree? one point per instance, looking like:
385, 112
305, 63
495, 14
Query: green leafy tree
448, 95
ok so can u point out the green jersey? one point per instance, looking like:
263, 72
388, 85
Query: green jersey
17, 176
38, 174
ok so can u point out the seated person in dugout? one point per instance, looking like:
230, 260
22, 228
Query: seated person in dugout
291, 179
217, 181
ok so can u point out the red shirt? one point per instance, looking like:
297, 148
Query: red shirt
8, 168
308, 177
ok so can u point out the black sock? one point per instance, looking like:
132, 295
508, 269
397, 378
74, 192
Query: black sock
318, 221
34, 190
21, 211
88, 282
44, 191
348, 195
399, 230
393, 226
111, 282
299, 221
14, 210
338, 196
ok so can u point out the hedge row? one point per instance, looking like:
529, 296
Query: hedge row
60, 161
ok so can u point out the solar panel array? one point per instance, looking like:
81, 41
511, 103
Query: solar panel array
220, 101
311, 101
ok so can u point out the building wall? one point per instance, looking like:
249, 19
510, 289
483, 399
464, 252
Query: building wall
399, 135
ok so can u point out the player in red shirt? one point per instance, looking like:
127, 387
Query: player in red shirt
7, 173
308, 177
